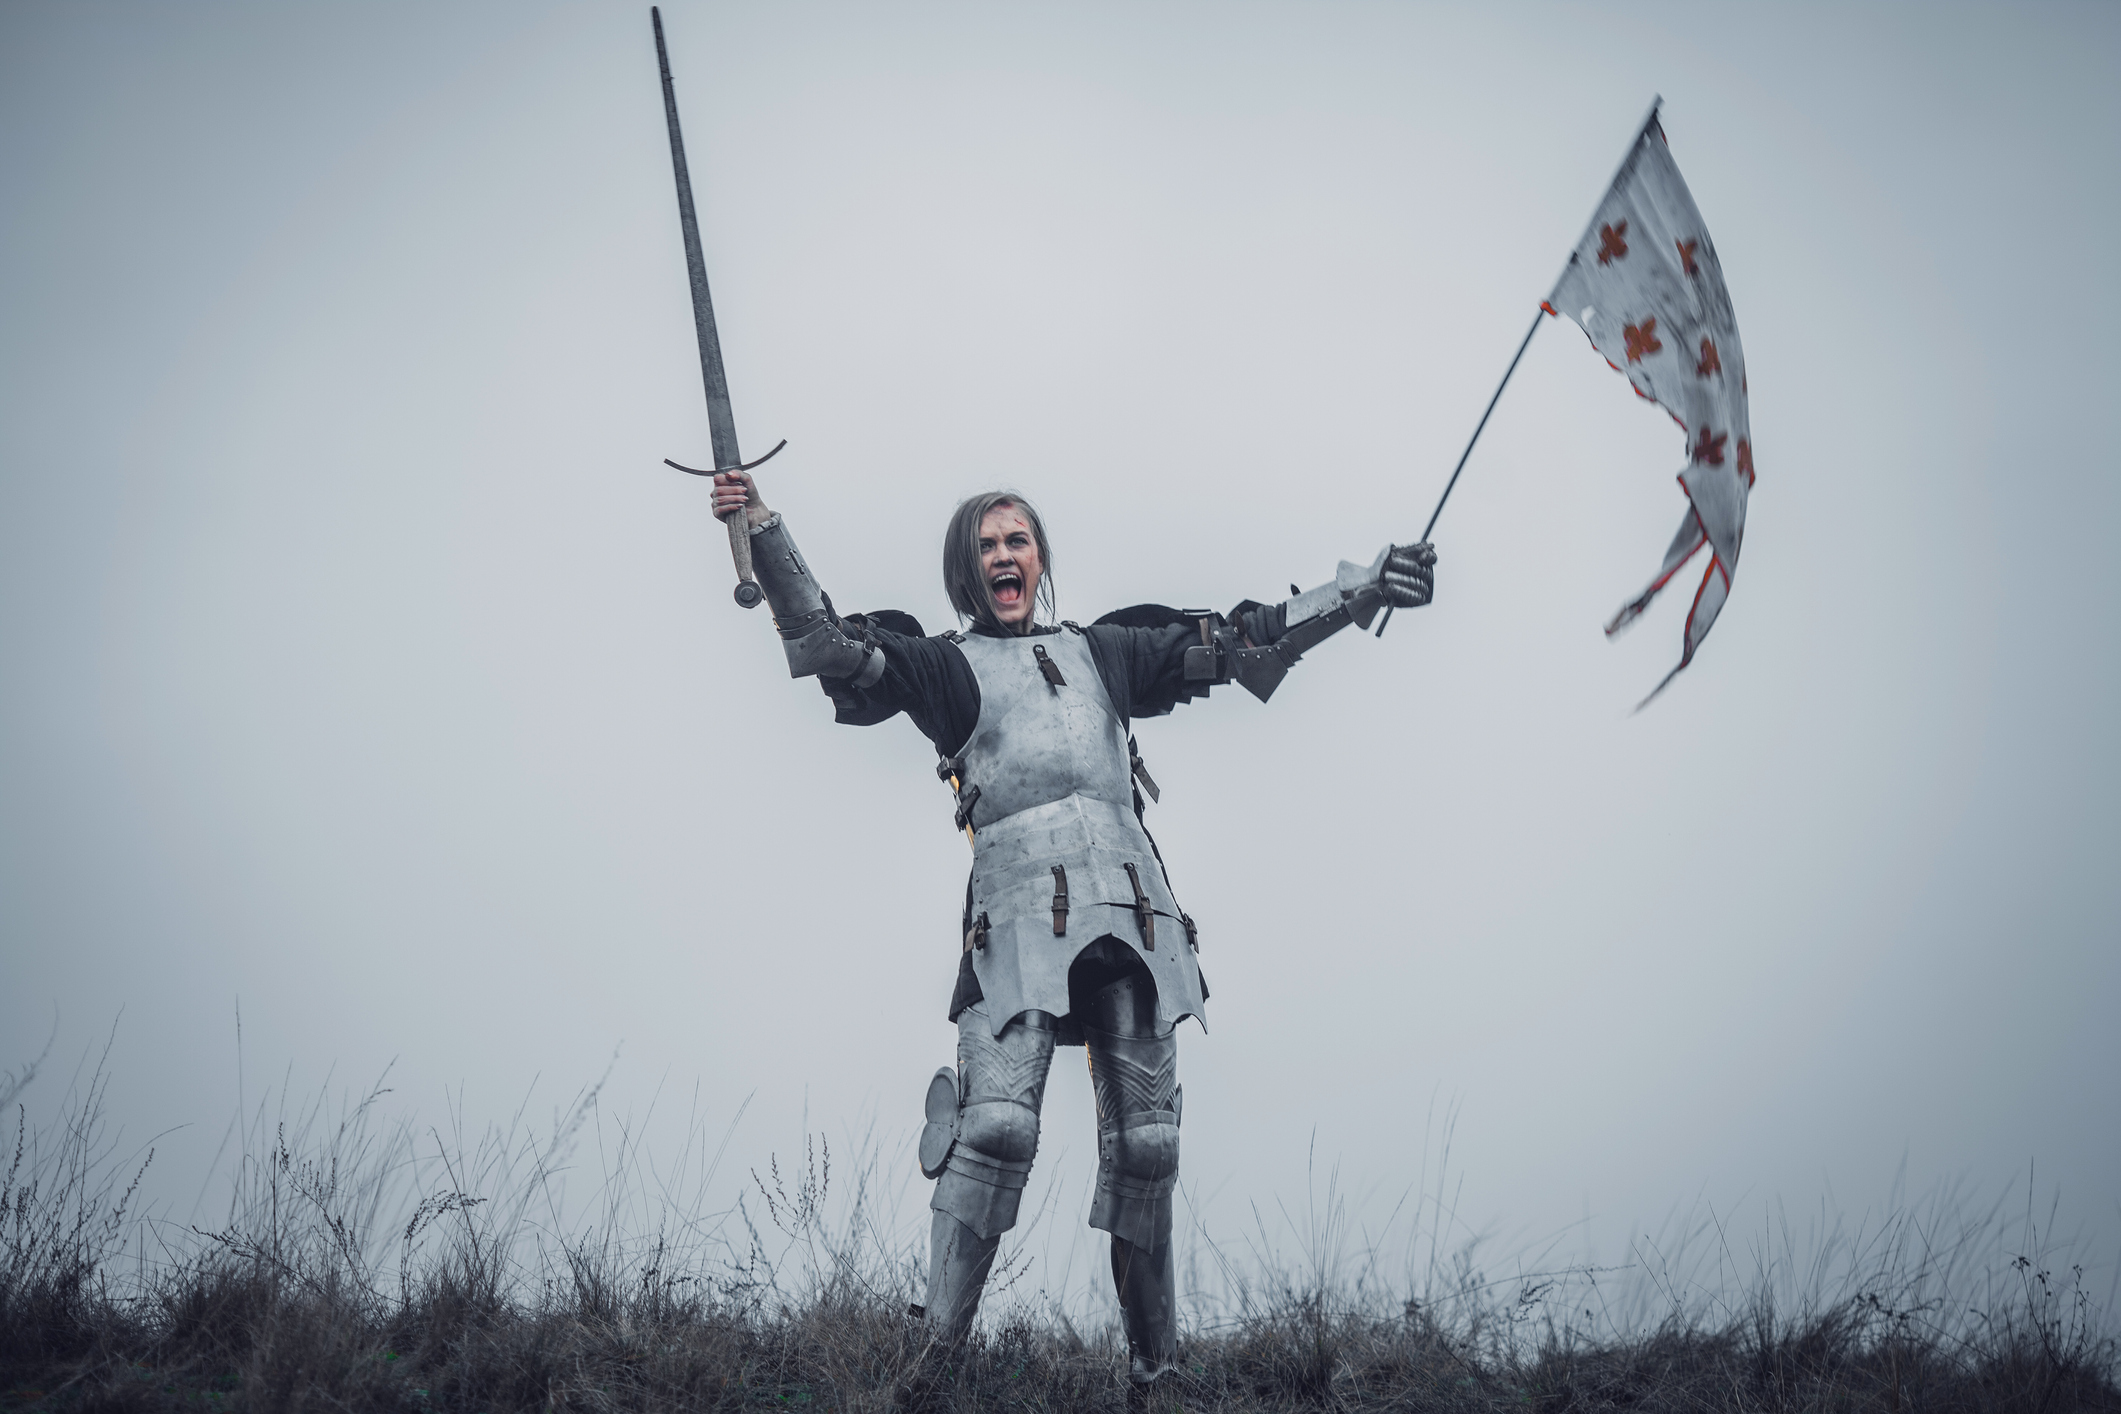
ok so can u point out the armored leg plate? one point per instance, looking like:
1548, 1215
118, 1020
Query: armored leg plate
1135, 1079
958, 1260
1146, 1280
1003, 1083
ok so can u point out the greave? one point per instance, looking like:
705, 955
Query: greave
1147, 1283
958, 1259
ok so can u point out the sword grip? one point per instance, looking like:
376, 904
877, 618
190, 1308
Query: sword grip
748, 593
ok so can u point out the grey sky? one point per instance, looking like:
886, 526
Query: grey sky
361, 661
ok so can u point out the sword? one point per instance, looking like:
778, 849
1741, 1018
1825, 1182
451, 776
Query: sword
721, 423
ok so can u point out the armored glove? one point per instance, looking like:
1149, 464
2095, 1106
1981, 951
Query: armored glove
1409, 575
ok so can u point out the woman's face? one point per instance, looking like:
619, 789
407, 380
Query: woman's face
1008, 562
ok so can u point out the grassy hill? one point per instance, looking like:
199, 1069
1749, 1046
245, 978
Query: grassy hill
349, 1276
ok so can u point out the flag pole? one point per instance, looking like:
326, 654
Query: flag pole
1483, 421
1482, 426
1545, 307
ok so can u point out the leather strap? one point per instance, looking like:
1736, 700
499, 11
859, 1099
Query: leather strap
1141, 772
1144, 911
1047, 666
966, 799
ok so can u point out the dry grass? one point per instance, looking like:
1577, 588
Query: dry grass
362, 1267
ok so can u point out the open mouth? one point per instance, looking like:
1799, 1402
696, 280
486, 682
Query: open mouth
1007, 588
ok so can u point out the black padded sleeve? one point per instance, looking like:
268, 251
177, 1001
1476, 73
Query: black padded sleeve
926, 678
1144, 668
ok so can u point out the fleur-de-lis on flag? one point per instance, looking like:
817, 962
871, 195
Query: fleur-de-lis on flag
1642, 339
1669, 272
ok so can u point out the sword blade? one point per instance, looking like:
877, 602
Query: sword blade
721, 422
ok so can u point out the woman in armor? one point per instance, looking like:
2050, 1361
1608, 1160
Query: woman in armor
1072, 935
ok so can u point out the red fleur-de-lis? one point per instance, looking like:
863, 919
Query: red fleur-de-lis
1710, 363
1745, 459
1643, 340
1686, 255
1710, 449
1612, 243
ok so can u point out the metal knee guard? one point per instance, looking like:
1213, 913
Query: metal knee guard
1001, 1085
1134, 1073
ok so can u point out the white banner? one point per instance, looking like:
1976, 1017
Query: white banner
1645, 284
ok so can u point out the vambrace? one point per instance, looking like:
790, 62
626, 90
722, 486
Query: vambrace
811, 634
1257, 644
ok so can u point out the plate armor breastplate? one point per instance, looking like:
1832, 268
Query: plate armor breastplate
1059, 858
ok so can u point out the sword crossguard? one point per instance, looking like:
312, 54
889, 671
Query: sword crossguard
740, 466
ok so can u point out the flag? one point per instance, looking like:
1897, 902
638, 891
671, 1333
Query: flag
1647, 288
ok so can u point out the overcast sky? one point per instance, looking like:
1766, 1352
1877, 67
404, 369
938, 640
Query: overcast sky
363, 665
